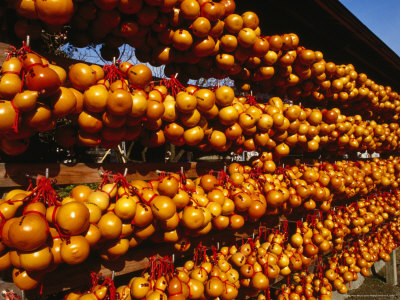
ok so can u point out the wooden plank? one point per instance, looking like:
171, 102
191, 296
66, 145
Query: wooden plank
391, 269
12, 175
3, 51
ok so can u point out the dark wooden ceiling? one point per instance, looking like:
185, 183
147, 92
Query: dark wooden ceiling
326, 25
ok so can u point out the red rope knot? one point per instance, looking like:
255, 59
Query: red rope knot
26, 48
214, 254
211, 172
105, 179
12, 52
223, 177
124, 28
252, 101
160, 266
44, 192
252, 244
214, 88
94, 280
262, 231
285, 227
109, 283
182, 179
173, 85
121, 181
280, 170
2, 222
299, 224
9, 295
170, 264
135, 191
163, 174
113, 73
320, 266
200, 253
312, 220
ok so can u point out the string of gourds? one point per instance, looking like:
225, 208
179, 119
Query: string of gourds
104, 106
332, 243
202, 39
120, 214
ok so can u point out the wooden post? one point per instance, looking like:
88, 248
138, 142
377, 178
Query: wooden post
3, 51
391, 269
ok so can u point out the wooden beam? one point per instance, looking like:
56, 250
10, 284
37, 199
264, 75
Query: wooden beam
3, 51
360, 30
16, 174
13, 175
391, 269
